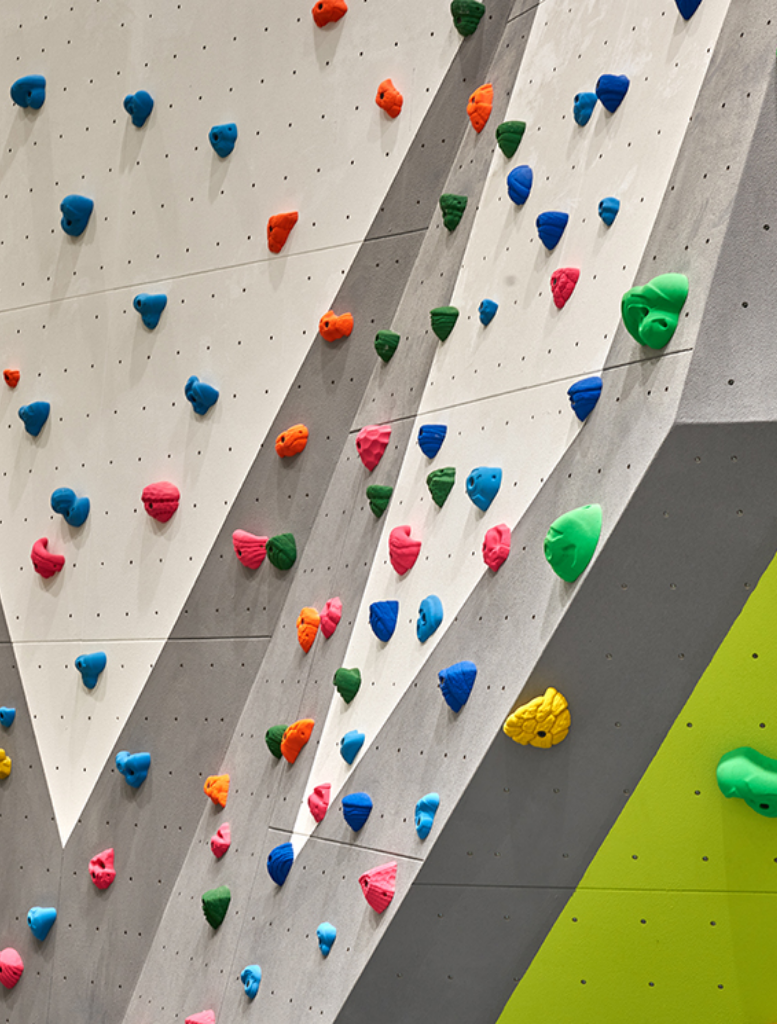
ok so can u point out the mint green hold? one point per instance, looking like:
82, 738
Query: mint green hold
348, 681
453, 208
386, 344
440, 483
571, 541
282, 551
379, 497
751, 776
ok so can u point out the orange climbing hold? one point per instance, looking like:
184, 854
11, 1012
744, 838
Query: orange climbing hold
295, 738
279, 228
389, 98
292, 441
325, 12
479, 107
332, 328
307, 628
217, 788
11, 377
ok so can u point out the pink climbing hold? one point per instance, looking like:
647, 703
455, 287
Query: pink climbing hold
45, 562
562, 284
318, 801
222, 841
11, 967
250, 549
331, 615
403, 550
101, 869
161, 500
379, 885
371, 444
496, 546
206, 1017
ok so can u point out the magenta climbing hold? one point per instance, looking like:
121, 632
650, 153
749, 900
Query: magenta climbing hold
11, 967
205, 1017
379, 885
101, 869
250, 549
331, 614
318, 801
46, 563
496, 546
221, 841
161, 500
371, 443
403, 549
562, 283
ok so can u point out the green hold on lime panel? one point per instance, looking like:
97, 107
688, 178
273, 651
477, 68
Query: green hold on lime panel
348, 681
651, 312
751, 776
444, 320
440, 483
215, 904
282, 551
379, 497
509, 135
386, 344
571, 541
453, 208
467, 15
273, 738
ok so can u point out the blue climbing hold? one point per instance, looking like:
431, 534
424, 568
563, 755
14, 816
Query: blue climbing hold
519, 182
487, 311
223, 138
550, 226
40, 920
688, 7
90, 666
584, 107
75, 510
202, 396
134, 767
150, 308
139, 105
431, 437
326, 934
456, 683
7, 716
350, 745
429, 617
425, 810
357, 807
251, 977
33, 416
611, 90
483, 485
584, 394
76, 211
608, 209
383, 619
279, 862
29, 91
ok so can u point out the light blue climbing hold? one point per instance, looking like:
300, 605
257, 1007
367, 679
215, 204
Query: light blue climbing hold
7, 716
223, 138
350, 745
431, 437
456, 683
487, 311
519, 182
134, 767
150, 308
584, 107
429, 617
139, 105
688, 7
550, 226
425, 810
29, 91
33, 416
326, 934
251, 977
608, 209
202, 396
357, 807
76, 211
40, 920
584, 394
279, 862
74, 510
383, 619
611, 90
90, 666
483, 485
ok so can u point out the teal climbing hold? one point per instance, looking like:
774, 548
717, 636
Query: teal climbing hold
34, 416
571, 541
251, 978
453, 208
487, 311
91, 666
583, 107
134, 767
76, 211
29, 91
41, 921
75, 511
351, 744
430, 614
608, 209
326, 934
751, 776
150, 308
139, 106
425, 810
7, 716
483, 486
201, 395
223, 138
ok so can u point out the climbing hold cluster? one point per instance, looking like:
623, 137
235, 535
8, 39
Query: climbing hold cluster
543, 722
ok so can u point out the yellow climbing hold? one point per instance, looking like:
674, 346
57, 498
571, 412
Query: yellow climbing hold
543, 722
5, 765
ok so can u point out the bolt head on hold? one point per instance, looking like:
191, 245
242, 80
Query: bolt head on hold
425, 810
351, 744
544, 722
101, 869
76, 211
430, 614
496, 546
150, 308
519, 183
480, 105
325, 12
251, 978
487, 311
611, 91
431, 437
279, 862
161, 500
389, 98
583, 107
34, 416
11, 967
45, 562
292, 441
751, 776
583, 396
466, 15
326, 934
222, 138
608, 209
29, 91
134, 767
357, 808
7, 716
571, 541
249, 549
318, 801
651, 312
383, 619
403, 549
41, 920
456, 683
483, 486
509, 135
91, 666
139, 106
379, 885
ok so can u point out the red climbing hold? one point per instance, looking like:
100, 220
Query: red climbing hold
161, 500
332, 328
331, 615
318, 801
371, 444
250, 549
562, 284
11, 967
379, 885
403, 550
279, 228
101, 869
46, 563
11, 377
327, 11
221, 842
389, 98
496, 546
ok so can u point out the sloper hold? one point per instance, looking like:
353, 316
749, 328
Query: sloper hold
551, 226
357, 808
223, 138
608, 209
519, 183
75, 511
41, 921
251, 978
383, 619
5, 764
456, 683
295, 738
562, 283
249, 549
483, 486
403, 549
326, 934
443, 320
29, 91
379, 497
139, 106
273, 738
102, 870
453, 208
76, 211
379, 885
440, 483
466, 15
496, 546
11, 377
584, 394
751, 776
279, 228
150, 308
201, 395
11, 967
583, 107
7, 716
431, 437
292, 441
480, 104
326, 12
389, 98
611, 91
217, 789
544, 722
33, 416
487, 311
318, 801
651, 311
571, 541
45, 562
221, 841
279, 862
425, 810
308, 623
330, 616
386, 343
282, 551
509, 135
430, 614
161, 500
351, 744
215, 904
688, 8
205, 1017
347, 682
134, 767
371, 443
333, 328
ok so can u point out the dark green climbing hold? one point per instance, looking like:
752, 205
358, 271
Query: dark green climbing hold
509, 135
282, 550
379, 497
467, 15
348, 681
453, 208
440, 482
386, 344
273, 738
444, 320
571, 541
215, 904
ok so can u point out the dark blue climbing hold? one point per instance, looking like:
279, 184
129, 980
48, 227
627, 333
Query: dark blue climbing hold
40, 920
425, 810
608, 209
584, 394
487, 311
251, 977
29, 91
429, 617
90, 666
688, 7
350, 745
139, 105
150, 308
75, 510
33, 416
357, 807
7, 716
611, 90
134, 767
483, 485
383, 619
431, 437
279, 862
584, 107
223, 138
550, 226
519, 182
76, 211
456, 683
202, 396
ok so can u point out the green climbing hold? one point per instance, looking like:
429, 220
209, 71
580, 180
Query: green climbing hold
444, 320
453, 208
273, 738
509, 135
651, 312
751, 776
379, 497
572, 539
282, 550
440, 483
386, 344
215, 904
467, 15
348, 681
